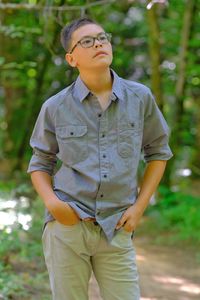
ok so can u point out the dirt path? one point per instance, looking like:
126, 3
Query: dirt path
166, 273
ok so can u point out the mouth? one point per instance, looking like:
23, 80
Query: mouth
100, 53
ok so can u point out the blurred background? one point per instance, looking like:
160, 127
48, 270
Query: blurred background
156, 43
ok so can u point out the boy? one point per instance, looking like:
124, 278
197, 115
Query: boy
96, 127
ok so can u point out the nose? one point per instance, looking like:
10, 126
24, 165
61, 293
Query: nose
97, 43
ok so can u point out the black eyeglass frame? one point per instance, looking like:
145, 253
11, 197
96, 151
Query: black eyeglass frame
108, 35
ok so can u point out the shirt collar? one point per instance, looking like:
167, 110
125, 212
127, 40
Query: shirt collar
117, 86
81, 91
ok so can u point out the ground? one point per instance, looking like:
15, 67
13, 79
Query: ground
166, 272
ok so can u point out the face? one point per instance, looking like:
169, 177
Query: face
96, 57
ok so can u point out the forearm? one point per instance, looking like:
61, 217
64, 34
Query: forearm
42, 183
152, 176
61, 211
150, 181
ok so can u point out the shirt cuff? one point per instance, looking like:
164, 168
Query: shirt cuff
38, 163
158, 153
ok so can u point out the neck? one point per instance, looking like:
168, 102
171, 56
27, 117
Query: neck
97, 82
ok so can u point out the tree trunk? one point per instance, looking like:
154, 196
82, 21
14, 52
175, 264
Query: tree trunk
183, 56
178, 126
154, 52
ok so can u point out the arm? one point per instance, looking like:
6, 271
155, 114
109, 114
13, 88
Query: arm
61, 211
150, 181
42, 165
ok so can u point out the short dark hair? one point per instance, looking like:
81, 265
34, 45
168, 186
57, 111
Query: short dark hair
67, 31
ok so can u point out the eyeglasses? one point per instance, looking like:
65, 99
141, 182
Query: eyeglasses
88, 41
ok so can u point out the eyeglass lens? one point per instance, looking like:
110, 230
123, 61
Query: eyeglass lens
89, 41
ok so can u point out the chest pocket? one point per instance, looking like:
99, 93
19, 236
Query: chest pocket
73, 144
129, 139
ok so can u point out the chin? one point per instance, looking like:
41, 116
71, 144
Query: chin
103, 64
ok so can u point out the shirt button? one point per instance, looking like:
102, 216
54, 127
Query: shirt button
99, 115
104, 175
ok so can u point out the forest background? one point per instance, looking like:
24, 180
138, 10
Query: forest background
156, 43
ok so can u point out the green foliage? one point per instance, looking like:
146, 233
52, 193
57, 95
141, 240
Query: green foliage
9, 243
23, 274
177, 215
11, 285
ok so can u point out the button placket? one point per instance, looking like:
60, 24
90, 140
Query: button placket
103, 144
104, 161
95, 105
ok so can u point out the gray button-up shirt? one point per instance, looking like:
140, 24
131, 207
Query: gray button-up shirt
99, 150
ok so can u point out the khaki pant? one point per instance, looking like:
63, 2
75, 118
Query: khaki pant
72, 252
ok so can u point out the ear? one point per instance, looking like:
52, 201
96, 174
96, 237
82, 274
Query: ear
70, 59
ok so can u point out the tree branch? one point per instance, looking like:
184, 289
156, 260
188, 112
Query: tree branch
6, 6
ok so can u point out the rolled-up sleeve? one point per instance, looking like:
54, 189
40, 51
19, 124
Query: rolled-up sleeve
156, 133
44, 143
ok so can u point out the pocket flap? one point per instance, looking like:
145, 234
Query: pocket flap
71, 131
